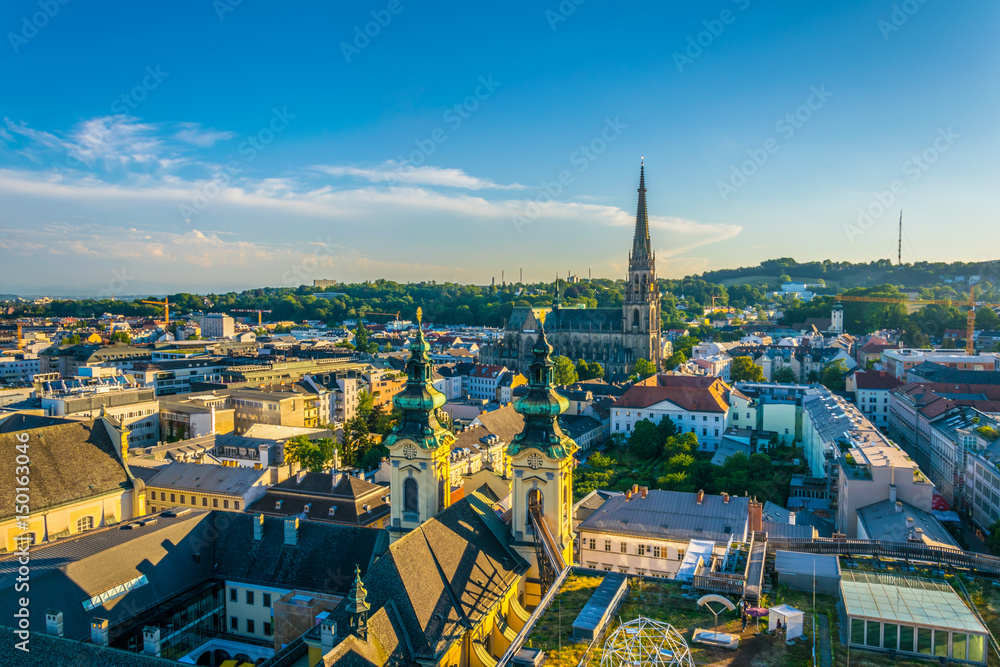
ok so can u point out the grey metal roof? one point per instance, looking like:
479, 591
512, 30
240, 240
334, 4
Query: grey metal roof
206, 478
594, 612
881, 521
672, 515
793, 562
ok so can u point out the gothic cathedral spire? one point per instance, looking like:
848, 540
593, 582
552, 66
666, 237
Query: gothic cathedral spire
642, 253
641, 310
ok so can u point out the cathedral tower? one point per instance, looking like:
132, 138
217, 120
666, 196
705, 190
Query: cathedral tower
419, 447
542, 462
641, 308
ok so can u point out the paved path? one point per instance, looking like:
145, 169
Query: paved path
825, 647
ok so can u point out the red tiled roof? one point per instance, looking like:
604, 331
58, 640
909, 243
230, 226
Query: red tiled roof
692, 393
876, 380
486, 371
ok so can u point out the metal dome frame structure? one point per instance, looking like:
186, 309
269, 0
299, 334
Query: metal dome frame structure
643, 641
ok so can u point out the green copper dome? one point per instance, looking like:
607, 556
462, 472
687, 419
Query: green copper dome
540, 407
418, 401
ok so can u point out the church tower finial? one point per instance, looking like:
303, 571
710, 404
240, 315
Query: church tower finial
358, 607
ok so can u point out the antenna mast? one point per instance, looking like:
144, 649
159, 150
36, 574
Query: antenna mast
899, 249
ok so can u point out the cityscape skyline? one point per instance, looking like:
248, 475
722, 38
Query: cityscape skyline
273, 149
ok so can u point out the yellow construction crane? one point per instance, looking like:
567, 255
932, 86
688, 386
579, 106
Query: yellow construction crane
970, 316
20, 338
166, 310
260, 321
362, 313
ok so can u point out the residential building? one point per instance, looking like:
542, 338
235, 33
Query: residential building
898, 362
67, 359
871, 393
195, 415
329, 497
484, 381
698, 405
180, 376
136, 409
648, 532
217, 325
896, 521
78, 478
19, 368
205, 486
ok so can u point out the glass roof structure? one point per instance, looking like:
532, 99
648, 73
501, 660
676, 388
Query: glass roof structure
893, 598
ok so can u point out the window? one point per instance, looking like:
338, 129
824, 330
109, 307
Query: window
267, 602
704, 431
411, 495
607, 545
234, 595
924, 641
267, 629
958, 644
857, 631
182, 498
215, 502
680, 554
656, 552
236, 504
976, 644
204, 502
874, 634
906, 638
172, 498
250, 626
249, 597
624, 548
84, 523
642, 549
593, 544
234, 623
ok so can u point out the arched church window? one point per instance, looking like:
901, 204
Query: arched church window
411, 495
635, 318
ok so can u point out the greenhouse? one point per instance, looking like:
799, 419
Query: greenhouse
910, 615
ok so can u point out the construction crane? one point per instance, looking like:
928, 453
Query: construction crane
20, 338
970, 316
252, 310
362, 313
166, 310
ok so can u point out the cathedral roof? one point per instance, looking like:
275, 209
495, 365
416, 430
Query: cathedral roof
583, 319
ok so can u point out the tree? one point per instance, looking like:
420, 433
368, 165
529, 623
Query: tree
674, 360
120, 337
361, 342
645, 441
833, 375
986, 319
355, 441
589, 371
784, 278
743, 369
784, 375
563, 371
993, 539
313, 456
366, 405
667, 427
644, 368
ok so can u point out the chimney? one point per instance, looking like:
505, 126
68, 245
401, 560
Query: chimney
151, 640
628, 495
725, 498
258, 527
328, 634
701, 496
791, 518
909, 522
635, 489
755, 516
645, 491
99, 631
899, 506
892, 493
292, 531
54, 622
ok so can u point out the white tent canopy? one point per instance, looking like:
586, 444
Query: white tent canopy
791, 619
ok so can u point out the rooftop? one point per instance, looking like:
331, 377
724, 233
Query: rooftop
207, 478
893, 598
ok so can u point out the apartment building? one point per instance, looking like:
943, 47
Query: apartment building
871, 390
898, 362
171, 377
205, 486
194, 416
217, 325
19, 368
135, 409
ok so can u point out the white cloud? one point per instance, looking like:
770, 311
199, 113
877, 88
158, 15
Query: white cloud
392, 172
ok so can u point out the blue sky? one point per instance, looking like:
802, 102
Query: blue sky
155, 147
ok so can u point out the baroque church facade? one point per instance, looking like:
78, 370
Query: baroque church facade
614, 337
458, 579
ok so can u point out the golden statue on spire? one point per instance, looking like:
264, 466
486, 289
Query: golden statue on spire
420, 315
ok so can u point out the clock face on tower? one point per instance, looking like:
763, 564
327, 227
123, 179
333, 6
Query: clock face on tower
534, 461
410, 451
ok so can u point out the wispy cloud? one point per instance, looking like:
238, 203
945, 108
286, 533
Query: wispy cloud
392, 172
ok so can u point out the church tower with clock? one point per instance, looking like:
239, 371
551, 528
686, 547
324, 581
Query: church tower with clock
419, 447
542, 463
